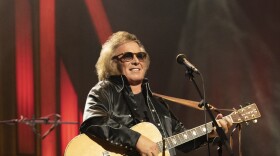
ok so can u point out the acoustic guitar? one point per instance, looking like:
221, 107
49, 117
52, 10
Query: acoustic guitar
83, 145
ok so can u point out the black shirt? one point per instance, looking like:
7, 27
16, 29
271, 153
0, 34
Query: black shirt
143, 110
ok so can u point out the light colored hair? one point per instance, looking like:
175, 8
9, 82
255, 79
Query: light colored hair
105, 66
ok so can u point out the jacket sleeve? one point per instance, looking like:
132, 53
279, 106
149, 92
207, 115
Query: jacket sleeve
98, 121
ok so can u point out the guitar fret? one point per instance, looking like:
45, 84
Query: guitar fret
194, 133
201, 130
167, 143
185, 136
174, 141
189, 133
160, 144
171, 142
178, 137
181, 137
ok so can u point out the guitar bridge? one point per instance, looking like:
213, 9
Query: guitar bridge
105, 153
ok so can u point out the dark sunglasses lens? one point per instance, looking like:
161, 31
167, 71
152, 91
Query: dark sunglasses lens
127, 56
141, 56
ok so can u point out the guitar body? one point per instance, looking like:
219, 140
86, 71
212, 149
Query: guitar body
82, 145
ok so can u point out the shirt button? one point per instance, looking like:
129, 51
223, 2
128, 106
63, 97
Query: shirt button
153, 110
158, 124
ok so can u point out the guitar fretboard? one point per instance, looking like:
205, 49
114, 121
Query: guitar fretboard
185, 136
247, 113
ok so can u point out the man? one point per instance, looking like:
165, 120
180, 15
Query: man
122, 98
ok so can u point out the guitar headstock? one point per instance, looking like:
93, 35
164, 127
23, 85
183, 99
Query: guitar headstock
244, 114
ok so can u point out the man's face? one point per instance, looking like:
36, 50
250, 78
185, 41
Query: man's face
134, 69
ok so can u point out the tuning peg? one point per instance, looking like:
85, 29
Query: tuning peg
255, 121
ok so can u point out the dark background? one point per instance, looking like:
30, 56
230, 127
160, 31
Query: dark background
234, 44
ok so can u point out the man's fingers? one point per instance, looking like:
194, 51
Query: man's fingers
229, 121
223, 124
219, 116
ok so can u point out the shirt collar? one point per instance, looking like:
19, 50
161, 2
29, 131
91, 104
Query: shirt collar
120, 81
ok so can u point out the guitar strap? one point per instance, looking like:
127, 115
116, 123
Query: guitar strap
239, 127
189, 103
239, 139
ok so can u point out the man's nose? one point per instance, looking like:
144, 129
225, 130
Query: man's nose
135, 60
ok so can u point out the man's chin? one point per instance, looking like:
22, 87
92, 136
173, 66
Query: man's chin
135, 81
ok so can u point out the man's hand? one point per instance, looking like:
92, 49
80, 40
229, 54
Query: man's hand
146, 147
224, 122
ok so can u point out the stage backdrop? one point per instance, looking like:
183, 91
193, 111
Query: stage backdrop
48, 50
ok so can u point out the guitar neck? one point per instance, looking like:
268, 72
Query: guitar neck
244, 114
185, 136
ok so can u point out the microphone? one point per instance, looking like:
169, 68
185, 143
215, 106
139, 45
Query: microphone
181, 59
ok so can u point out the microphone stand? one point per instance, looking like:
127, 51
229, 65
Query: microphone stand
43, 120
203, 103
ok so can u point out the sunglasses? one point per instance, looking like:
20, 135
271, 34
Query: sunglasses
129, 56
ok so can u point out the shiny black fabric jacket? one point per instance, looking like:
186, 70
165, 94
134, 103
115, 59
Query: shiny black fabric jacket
111, 111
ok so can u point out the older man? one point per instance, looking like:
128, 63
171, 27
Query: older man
122, 98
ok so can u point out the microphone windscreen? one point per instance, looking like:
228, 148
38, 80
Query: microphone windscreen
180, 58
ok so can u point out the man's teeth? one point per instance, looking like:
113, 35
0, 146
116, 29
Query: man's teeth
135, 69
